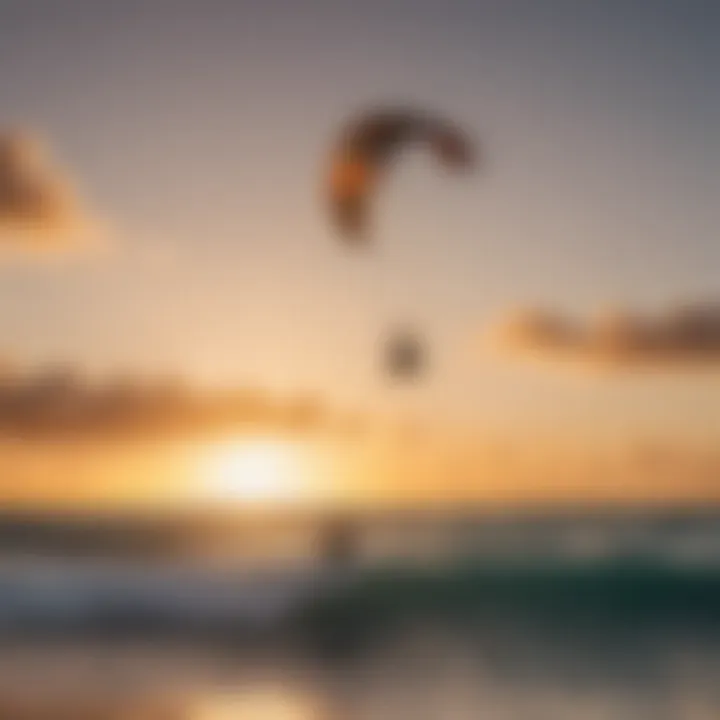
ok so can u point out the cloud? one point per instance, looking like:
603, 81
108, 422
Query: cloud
39, 207
60, 404
686, 338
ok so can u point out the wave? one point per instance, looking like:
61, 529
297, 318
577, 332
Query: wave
626, 595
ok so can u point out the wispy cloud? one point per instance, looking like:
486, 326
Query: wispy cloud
40, 209
683, 339
62, 404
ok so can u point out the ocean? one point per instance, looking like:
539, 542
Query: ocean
530, 615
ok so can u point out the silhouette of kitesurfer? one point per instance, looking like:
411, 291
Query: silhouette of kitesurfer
339, 545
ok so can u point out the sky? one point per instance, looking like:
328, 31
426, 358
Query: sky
197, 132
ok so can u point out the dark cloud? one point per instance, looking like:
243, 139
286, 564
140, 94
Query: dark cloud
686, 338
38, 204
60, 404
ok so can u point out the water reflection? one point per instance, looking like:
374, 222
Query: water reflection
255, 705
494, 674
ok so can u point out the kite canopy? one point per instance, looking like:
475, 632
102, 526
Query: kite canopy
366, 148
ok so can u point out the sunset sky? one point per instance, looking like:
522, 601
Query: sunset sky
196, 131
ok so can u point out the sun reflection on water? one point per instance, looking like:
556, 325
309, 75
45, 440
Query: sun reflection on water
276, 703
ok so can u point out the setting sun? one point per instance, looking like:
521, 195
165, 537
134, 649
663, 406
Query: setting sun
253, 471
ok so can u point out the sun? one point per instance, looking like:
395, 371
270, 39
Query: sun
254, 470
